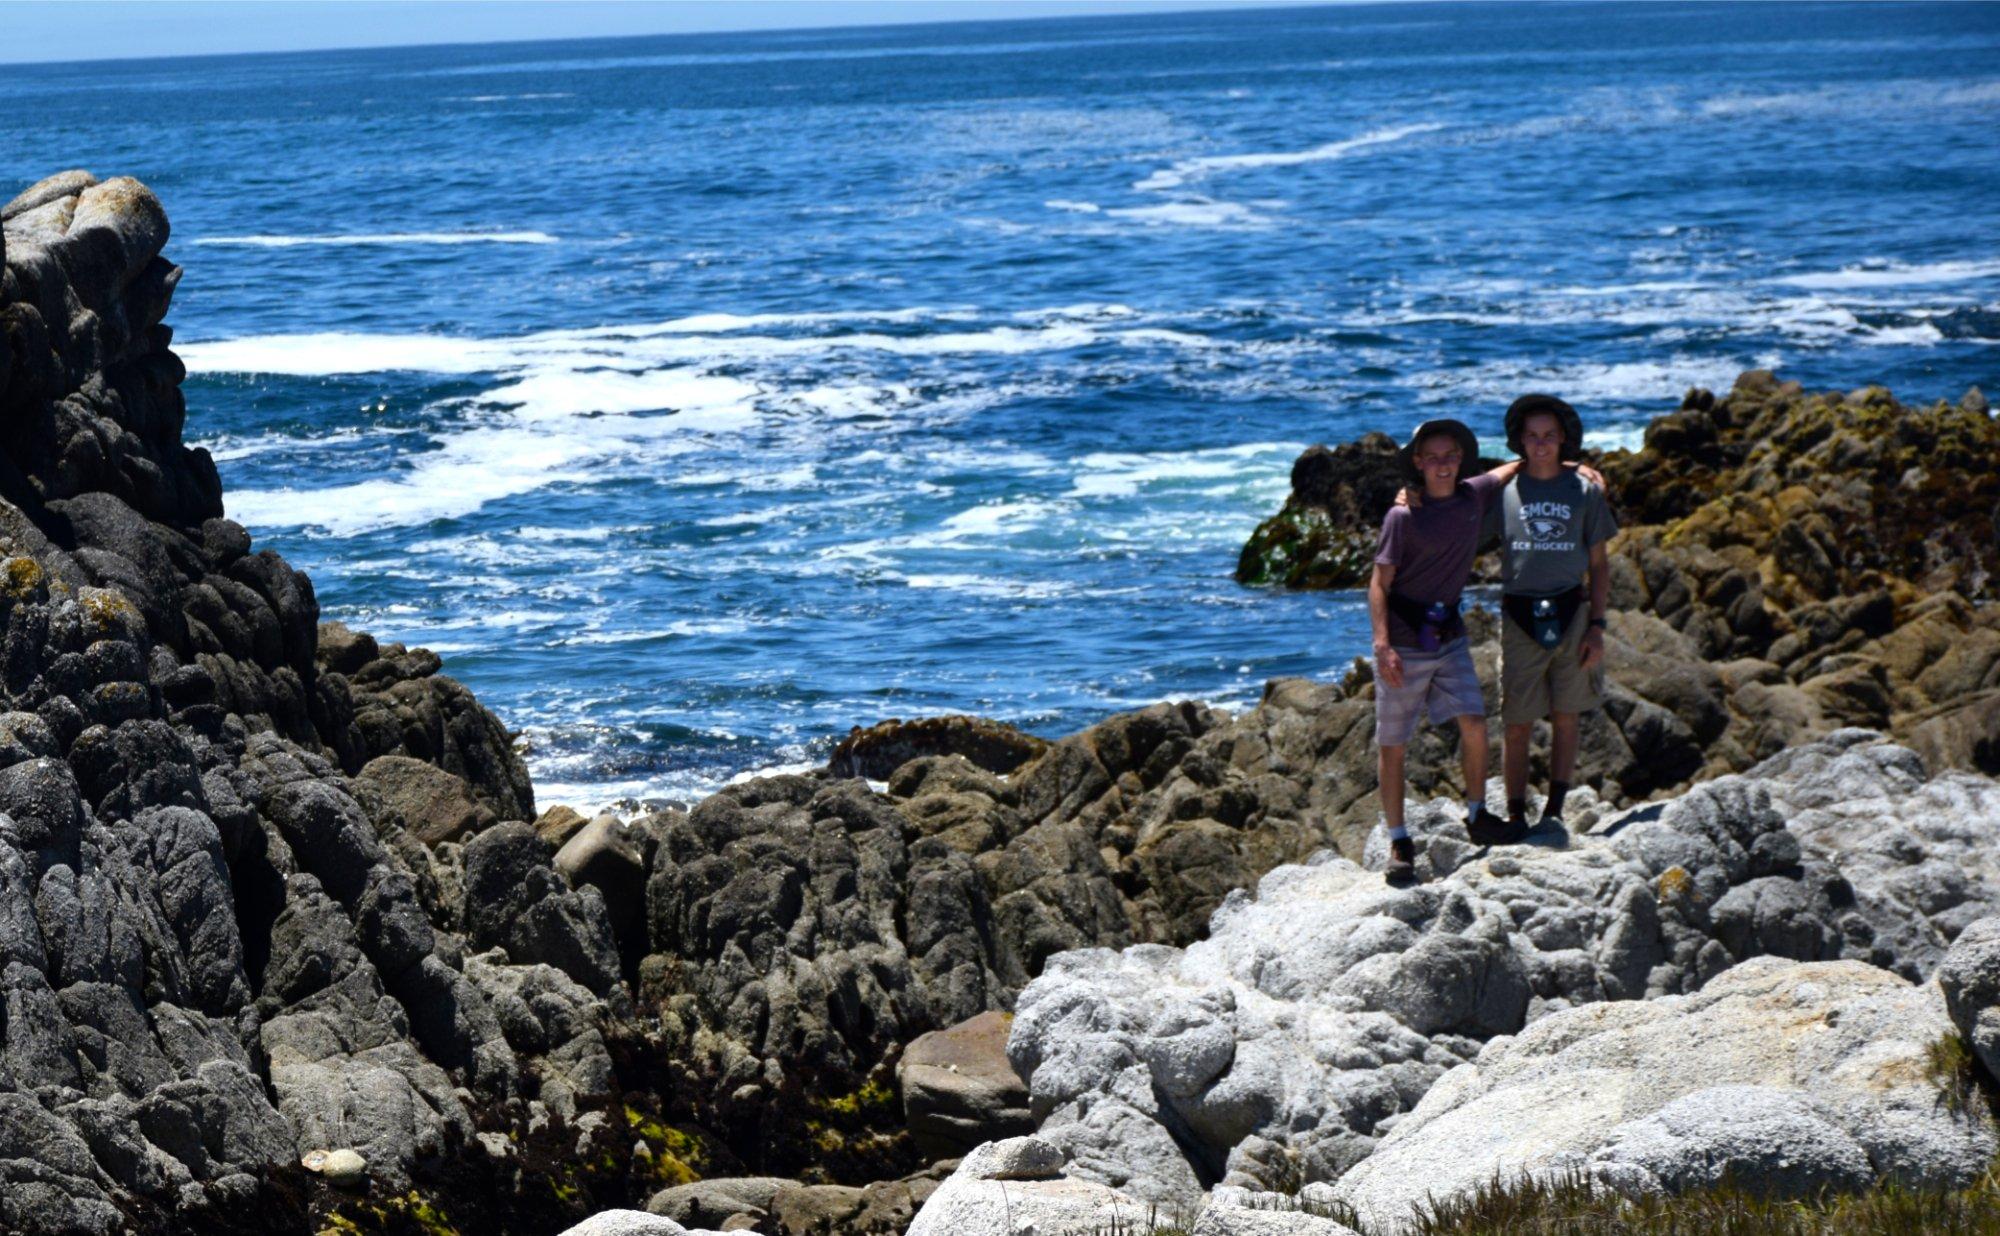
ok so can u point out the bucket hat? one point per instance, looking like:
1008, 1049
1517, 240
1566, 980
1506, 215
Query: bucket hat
1468, 446
1526, 406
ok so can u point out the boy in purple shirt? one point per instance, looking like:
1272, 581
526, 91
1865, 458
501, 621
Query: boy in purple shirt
1423, 660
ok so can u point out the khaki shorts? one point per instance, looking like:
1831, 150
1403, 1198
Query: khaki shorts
1536, 681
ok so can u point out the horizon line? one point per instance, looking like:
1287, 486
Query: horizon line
1075, 10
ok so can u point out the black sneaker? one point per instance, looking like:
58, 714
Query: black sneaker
1402, 866
1489, 829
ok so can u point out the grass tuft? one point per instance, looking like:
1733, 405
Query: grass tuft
1574, 1204
1951, 1065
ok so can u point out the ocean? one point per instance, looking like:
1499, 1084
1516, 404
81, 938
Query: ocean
699, 397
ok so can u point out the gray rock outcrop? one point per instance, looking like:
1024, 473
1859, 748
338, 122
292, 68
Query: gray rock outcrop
1969, 978
1324, 1006
1918, 849
1786, 1078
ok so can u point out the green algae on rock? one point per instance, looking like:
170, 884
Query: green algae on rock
1324, 537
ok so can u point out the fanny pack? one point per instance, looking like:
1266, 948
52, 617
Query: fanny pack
1543, 619
1436, 623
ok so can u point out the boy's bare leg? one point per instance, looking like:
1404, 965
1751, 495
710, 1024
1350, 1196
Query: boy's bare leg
1562, 750
1473, 758
1389, 778
1401, 867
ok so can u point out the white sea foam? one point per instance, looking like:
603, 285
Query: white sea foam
1204, 213
1630, 383
228, 447
1626, 436
1123, 475
710, 323
673, 630
697, 398
997, 518
1084, 311
1194, 169
552, 433
384, 238
981, 585
1082, 208
566, 534
1893, 274
330, 353
1672, 308
791, 769
323, 355
578, 406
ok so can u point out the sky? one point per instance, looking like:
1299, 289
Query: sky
61, 30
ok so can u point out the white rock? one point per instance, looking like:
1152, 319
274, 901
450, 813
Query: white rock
1970, 980
963, 1206
627, 1223
1788, 1076
1013, 1158
1919, 850
343, 1167
1325, 1004
1233, 1211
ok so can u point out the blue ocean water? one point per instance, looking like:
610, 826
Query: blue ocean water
697, 397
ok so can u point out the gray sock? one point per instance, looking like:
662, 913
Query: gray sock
1473, 806
1398, 832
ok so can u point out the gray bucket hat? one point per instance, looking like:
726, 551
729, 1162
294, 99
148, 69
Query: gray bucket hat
1468, 445
1526, 406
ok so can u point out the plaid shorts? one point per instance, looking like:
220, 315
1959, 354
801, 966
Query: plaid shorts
1442, 683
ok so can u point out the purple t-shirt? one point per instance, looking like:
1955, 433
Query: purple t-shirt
1432, 548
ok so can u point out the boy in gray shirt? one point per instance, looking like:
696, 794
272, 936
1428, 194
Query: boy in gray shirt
1553, 525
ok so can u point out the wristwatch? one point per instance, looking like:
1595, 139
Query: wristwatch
1598, 623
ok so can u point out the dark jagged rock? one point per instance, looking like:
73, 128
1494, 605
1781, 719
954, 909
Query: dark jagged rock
1833, 555
515, 900
884, 747
804, 928
213, 958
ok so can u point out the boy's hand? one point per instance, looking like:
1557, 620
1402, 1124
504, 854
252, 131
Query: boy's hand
1388, 665
1592, 475
1412, 498
1592, 651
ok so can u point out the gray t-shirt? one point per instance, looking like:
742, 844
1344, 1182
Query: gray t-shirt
1547, 530
1432, 548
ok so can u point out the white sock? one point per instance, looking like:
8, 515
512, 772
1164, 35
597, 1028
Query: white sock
1473, 806
1398, 832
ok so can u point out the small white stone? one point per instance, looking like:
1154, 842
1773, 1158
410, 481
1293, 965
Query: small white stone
344, 1167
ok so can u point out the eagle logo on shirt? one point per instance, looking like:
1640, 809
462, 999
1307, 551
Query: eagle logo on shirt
1545, 529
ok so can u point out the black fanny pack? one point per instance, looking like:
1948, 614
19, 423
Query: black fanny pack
1436, 623
1543, 619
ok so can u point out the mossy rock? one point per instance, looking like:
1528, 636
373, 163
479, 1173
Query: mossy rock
1302, 547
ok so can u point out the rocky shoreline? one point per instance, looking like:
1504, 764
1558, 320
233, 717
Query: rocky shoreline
285, 946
